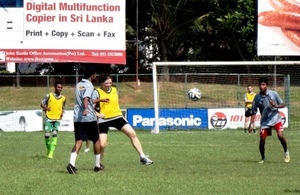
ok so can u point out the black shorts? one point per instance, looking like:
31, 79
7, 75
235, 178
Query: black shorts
248, 112
117, 123
86, 130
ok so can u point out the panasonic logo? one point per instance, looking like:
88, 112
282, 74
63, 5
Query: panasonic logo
188, 121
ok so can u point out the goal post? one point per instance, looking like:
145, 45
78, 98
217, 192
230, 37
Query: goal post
222, 84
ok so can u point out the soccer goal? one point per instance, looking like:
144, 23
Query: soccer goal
222, 85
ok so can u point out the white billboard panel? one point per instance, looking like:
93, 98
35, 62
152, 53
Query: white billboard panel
63, 31
278, 28
233, 118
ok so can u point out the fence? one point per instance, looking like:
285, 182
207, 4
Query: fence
132, 96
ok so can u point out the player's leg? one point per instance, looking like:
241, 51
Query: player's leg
47, 128
246, 123
131, 134
103, 131
279, 129
87, 146
55, 126
263, 136
92, 133
103, 144
80, 135
247, 119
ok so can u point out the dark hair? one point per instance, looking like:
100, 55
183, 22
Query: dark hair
103, 77
88, 71
57, 83
263, 80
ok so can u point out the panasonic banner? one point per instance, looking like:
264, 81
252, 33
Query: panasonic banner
169, 119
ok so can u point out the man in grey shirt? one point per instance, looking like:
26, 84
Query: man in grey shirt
85, 120
268, 102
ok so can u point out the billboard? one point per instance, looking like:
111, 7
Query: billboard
63, 31
234, 118
169, 119
278, 28
21, 120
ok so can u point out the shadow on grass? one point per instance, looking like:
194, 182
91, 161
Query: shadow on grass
257, 161
292, 191
38, 156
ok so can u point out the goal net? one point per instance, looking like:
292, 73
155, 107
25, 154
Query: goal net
222, 86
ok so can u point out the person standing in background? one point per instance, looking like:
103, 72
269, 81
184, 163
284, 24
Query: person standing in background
248, 98
53, 105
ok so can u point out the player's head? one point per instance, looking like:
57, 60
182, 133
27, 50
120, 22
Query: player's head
249, 88
263, 84
105, 81
90, 72
58, 87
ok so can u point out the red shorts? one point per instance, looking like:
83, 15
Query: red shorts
268, 131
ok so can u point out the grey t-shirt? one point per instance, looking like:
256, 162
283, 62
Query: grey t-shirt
269, 115
84, 89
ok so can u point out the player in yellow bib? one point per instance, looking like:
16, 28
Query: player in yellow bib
248, 97
110, 115
53, 105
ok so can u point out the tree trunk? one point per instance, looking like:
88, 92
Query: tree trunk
165, 69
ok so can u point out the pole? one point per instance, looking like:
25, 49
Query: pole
137, 46
76, 69
275, 72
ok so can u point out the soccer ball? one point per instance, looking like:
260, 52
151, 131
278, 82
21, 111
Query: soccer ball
194, 94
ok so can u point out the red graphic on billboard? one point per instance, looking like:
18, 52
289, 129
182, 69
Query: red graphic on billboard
218, 120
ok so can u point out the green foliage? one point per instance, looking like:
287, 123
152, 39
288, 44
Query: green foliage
5, 72
192, 162
198, 30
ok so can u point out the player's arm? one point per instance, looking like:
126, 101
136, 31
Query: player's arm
63, 109
245, 98
44, 103
278, 102
85, 106
96, 97
100, 100
99, 115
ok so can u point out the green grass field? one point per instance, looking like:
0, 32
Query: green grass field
185, 162
194, 162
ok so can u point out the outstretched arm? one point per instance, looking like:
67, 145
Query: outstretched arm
100, 100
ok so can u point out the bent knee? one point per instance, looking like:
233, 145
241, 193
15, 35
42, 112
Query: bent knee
103, 145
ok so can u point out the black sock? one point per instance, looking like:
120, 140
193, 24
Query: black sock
284, 144
262, 150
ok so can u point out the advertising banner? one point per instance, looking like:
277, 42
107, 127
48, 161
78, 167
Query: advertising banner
21, 120
67, 122
169, 119
278, 28
233, 118
63, 31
